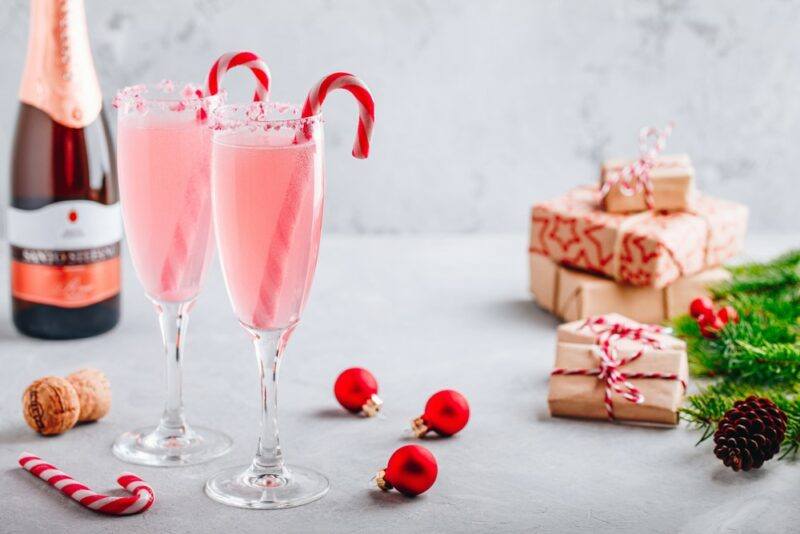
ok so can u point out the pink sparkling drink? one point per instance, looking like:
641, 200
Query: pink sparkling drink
268, 200
164, 165
267, 187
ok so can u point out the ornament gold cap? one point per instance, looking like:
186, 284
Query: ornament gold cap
372, 406
380, 480
419, 427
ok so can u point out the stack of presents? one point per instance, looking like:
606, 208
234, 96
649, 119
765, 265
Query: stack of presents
643, 243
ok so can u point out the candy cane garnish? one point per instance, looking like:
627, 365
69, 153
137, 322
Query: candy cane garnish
235, 59
278, 254
366, 106
187, 234
142, 498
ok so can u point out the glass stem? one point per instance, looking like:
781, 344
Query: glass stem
173, 317
269, 345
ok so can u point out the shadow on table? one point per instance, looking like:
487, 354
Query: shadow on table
332, 413
391, 498
728, 477
7, 330
522, 311
16, 434
430, 436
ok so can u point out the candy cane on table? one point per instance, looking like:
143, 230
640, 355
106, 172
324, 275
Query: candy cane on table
277, 256
186, 233
142, 498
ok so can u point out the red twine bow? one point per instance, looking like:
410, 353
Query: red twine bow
608, 334
635, 177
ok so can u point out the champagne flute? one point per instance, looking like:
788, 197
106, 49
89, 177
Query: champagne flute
268, 180
164, 152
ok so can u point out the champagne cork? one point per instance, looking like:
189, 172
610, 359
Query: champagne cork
50, 405
94, 393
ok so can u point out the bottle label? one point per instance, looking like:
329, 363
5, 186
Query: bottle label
65, 254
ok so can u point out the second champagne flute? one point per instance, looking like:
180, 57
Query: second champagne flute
268, 178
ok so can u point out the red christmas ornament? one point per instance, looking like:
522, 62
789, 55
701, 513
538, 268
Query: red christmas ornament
446, 412
411, 470
728, 314
356, 389
701, 306
710, 325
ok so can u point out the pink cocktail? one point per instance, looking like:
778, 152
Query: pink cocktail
268, 181
268, 184
164, 153
268, 195
164, 162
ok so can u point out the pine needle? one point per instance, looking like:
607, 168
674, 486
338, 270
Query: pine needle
758, 356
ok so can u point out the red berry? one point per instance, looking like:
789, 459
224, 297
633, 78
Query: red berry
446, 413
701, 306
411, 470
356, 389
727, 314
710, 325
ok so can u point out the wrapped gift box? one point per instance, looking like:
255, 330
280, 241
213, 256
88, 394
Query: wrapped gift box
583, 396
573, 295
644, 249
586, 332
671, 178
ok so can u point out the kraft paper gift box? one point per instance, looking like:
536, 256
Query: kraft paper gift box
581, 331
583, 396
672, 180
572, 295
643, 249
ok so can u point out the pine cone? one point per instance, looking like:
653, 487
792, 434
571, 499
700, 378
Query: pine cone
750, 433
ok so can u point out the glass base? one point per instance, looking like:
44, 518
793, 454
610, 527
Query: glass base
238, 486
148, 446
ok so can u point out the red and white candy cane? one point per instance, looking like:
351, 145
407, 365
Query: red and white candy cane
608, 370
230, 60
635, 177
277, 256
187, 234
366, 106
142, 498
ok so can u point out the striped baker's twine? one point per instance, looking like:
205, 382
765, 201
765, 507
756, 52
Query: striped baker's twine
635, 177
608, 370
142, 498
609, 332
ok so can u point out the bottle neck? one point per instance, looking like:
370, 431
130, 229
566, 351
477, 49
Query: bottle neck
59, 76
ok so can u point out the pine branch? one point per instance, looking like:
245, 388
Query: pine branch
706, 408
758, 356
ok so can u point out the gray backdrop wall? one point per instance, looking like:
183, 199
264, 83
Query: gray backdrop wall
485, 106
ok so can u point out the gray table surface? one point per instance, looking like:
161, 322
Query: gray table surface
423, 313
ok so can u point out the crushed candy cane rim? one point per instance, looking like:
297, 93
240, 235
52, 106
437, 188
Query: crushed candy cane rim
261, 116
166, 95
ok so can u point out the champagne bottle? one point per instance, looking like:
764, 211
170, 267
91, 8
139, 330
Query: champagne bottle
64, 224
